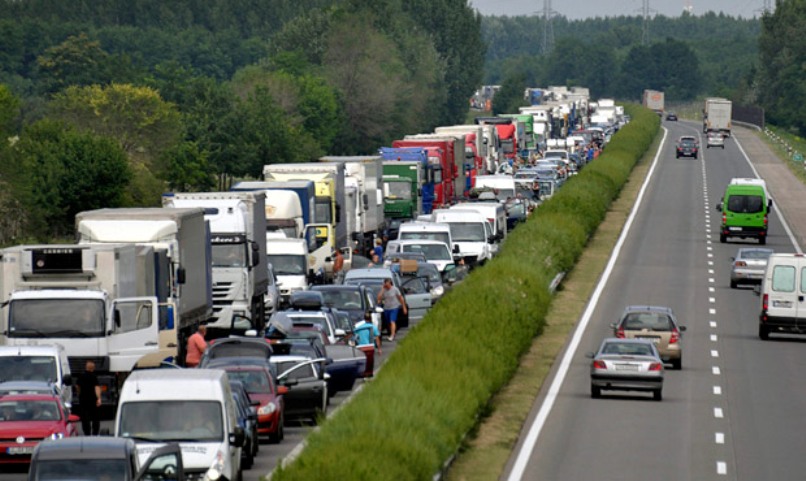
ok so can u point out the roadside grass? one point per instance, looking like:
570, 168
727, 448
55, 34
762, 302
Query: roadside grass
782, 149
487, 450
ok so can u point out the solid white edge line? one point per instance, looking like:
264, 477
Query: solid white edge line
530, 442
780, 215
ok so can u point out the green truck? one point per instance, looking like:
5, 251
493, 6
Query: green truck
401, 189
526, 139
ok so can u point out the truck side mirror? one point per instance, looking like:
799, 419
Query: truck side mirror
255, 254
180, 275
116, 317
67, 380
456, 248
338, 213
719, 207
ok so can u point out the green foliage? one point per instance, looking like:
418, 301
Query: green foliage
414, 414
187, 169
9, 110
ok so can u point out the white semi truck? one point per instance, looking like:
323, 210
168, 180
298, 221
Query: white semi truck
100, 302
717, 116
238, 242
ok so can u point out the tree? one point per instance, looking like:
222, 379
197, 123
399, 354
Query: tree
188, 169
9, 111
76, 61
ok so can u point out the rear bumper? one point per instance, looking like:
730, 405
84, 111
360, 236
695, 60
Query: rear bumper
626, 382
743, 231
746, 276
788, 325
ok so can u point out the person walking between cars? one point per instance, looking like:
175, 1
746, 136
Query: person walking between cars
89, 400
196, 347
368, 339
378, 249
338, 267
392, 302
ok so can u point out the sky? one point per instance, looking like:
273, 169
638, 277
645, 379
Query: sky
577, 9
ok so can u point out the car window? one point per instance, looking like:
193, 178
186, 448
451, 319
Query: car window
414, 286
647, 320
629, 349
303, 373
755, 254
253, 380
803, 280
745, 204
783, 279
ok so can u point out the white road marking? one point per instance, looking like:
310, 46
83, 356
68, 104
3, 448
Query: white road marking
712, 300
712, 324
528, 446
714, 353
717, 390
710, 255
711, 279
715, 371
709, 248
714, 338
719, 438
711, 289
721, 468
718, 413
712, 311
708, 241
710, 263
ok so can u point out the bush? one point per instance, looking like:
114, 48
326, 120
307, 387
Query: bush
413, 416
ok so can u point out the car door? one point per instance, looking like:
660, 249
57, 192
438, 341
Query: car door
783, 296
135, 331
307, 392
417, 296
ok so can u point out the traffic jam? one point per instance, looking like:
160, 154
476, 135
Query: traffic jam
186, 341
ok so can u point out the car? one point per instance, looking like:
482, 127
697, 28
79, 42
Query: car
32, 387
100, 458
715, 139
657, 324
27, 419
749, 265
671, 116
235, 347
259, 381
272, 296
306, 380
626, 365
247, 420
355, 300
418, 301
435, 280
687, 147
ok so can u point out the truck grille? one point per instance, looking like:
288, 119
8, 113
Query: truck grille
194, 474
222, 291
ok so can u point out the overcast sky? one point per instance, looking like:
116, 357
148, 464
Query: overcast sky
576, 9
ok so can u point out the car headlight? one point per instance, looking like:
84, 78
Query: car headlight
437, 291
216, 469
57, 436
267, 409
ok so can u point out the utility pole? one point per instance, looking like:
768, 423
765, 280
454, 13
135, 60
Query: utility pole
645, 32
688, 7
767, 8
548, 30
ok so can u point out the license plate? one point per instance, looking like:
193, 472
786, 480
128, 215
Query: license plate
734, 228
782, 304
655, 340
20, 450
626, 367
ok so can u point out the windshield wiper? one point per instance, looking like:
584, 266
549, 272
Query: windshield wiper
71, 333
146, 439
28, 333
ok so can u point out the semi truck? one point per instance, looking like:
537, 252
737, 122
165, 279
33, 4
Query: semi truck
100, 302
653, 100
290, 205
238, 246
474, 140
440, 165
181, 240
454, 147
717, 116
365, 175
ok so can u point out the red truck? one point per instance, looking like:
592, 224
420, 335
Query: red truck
508, 135
440, 157
454, 147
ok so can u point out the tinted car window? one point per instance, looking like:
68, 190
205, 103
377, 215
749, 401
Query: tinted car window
647, 320
759, 254
304, 372
745, 204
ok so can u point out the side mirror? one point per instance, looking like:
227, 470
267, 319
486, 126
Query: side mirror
255, 254
757, 290
282, 390
682, 328
180, 275
613, 325
289, 382
769, 203
237, 437
73, 418
590, 355
719, 207
328, 259
116, 316
456, 248
340, 333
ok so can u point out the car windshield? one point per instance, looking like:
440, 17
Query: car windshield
433, 252
627, 349
29, 410
342, 298
653, 321
229, 255
745, 204
28, 368
56, 318
467, 231
83, 469
431, 272
172, 420
254, 381
422, 235
287, 264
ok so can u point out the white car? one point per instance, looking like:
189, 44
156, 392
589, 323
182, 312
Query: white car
715, 139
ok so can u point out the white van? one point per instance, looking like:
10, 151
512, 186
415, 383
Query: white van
292, 265
470, 231
38, 363
435, 252
192, 406
427, 230
495, 214
503, 185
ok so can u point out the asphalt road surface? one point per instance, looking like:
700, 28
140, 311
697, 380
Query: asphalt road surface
735, 411
269, 454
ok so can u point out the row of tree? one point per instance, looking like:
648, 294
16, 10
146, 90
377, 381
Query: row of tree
191, 94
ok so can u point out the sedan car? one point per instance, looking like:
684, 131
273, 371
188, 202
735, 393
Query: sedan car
687, 147
715, 139
626, 365
27, 419
671, 116
749, 266
656, 324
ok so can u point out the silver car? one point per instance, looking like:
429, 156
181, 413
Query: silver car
749, 265
626, 365
715, 139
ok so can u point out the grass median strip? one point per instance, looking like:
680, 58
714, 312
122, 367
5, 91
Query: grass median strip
486, 452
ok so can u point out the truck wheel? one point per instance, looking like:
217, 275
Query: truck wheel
763, 332
723, 238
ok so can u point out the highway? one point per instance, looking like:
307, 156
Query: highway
735, 410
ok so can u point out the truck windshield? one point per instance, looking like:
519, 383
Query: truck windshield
287, 264
437, 236
467, 232
507, 146
83, 469
322, 210
167, 421
397, 190
229, 255
28, 368
56, 318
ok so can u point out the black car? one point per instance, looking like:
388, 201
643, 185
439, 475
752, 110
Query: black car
671, 116
687, 147
307, 396
246, 411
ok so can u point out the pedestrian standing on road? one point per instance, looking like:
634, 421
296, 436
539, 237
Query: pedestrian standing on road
338, 266
393, 302
378, 249
196, 347
89, 400
368, 339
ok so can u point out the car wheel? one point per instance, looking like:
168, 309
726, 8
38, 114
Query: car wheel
762, 241
677, 364
658, 394
763, 332
734, 284
249, 460
596, 392
723, 147
723, 238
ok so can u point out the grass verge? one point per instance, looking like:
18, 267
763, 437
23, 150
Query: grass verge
486, 451
785, 145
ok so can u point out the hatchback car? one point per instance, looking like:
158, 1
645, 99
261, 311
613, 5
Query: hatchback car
715, 139
626, 365
749, 266
671, 116
687, 147
656, 324
26, 420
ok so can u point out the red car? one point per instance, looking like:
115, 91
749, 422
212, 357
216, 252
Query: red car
258, 380
27, 419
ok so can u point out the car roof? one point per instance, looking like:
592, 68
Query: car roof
85, 447
648, 308
622, 340
19, 385
337, 287
29, 397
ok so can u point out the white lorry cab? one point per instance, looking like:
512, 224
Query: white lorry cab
292, 265
495, 214
502, 185
470, 231
193, 407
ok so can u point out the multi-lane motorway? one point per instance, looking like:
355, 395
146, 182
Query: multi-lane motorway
735, 411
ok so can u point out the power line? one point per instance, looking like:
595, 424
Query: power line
548, 29
645, 12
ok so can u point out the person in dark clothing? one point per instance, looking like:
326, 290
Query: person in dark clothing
89, 400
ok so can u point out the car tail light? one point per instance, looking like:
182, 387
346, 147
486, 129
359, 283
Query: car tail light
724, 219
740, 264
599, 365
655, 366
765, 302
620, 332
675, 336
765, 221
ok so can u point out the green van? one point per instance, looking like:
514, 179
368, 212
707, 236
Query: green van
744, 210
